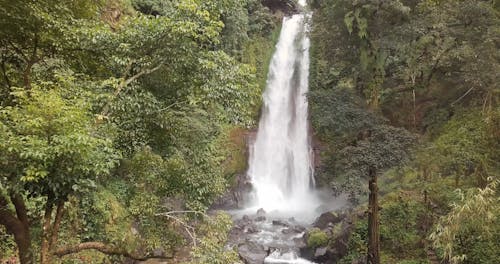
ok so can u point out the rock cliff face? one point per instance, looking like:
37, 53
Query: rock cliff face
287, 7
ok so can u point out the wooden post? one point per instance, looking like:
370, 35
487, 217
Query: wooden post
373, 220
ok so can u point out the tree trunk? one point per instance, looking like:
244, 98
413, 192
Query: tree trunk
17, 226
46, 232
23, 242
56, 226
373, 221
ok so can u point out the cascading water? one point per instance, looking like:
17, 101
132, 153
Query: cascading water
280, 165
284, 200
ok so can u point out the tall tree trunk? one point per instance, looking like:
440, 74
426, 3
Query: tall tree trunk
373, 220
17, 226
23, 242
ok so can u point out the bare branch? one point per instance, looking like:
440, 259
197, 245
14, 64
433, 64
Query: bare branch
101, 247
462, 97
189, 229
125, 82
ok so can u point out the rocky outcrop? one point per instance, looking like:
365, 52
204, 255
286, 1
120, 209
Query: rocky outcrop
236, 196
337, 226
249, 234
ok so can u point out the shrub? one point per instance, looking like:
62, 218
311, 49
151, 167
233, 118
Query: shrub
317, 238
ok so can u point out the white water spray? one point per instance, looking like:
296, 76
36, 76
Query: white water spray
280, 165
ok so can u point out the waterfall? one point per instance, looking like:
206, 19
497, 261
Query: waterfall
280, 163
281, 159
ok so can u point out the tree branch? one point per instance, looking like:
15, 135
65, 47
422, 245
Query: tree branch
189, 229
7, 217
21, 211
462, 97
57, 224
101, 247
6, 77
125, 82
18, 50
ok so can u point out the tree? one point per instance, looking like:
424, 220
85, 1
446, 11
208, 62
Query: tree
49, 149
95, 96
33, 32
373, 221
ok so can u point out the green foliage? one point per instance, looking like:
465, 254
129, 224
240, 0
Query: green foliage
400, 219
360, 139
316, 238
212, 247
7, 246
357, 244
89, 84
466, 146
470, 232
338, 114
430, 67
151, 7
49, 145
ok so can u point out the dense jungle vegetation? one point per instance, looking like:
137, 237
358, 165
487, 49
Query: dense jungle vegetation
410, 87
121, 121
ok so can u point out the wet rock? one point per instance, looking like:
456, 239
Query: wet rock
338, 227
236, 236
327, 218
299, 242
307, 253
252, 253
261, 212
251, 229
293, 230
339, 246
260, 218
280, 223
299, 229
320, 253
236, 195
273, 246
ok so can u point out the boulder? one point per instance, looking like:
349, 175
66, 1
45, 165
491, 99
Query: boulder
251, 229
293, 230
252, 253
280, 223
328, 218
321, 254
261, 212
260, 218
299, 242
299, 229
